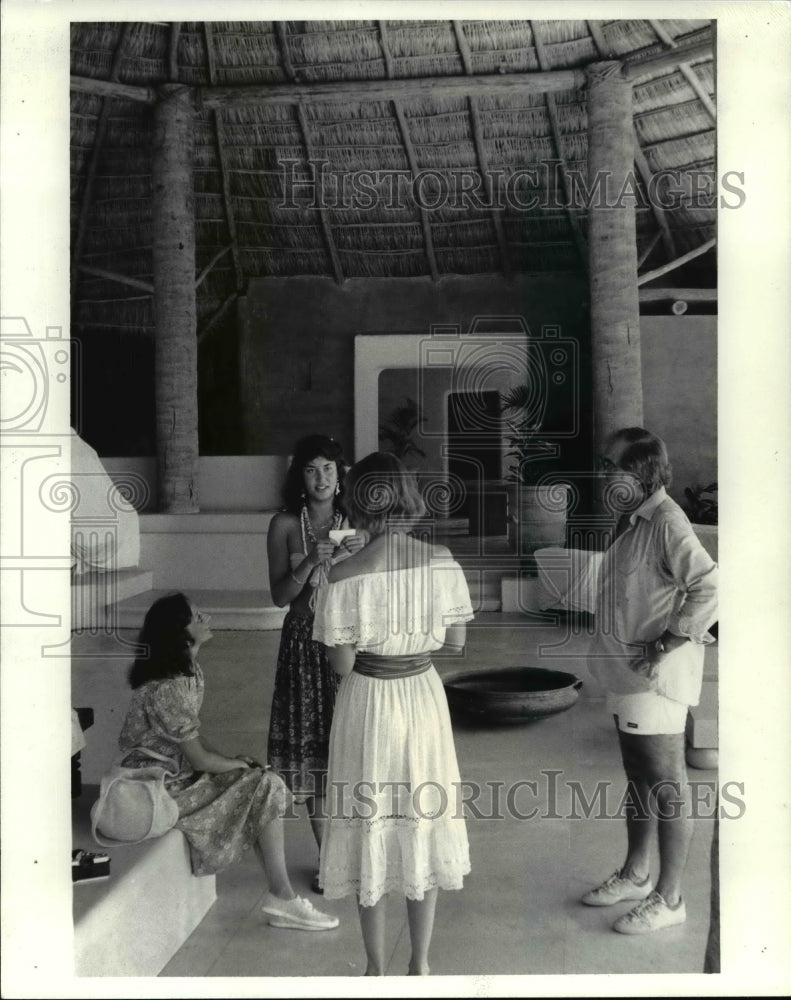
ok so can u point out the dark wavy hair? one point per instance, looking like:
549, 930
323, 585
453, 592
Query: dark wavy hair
168, 643
305, 450
380, 490
645, 456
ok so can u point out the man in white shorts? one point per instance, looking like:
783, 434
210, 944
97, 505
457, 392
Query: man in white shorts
657, 598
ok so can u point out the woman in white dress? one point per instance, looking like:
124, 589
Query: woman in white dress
395, 817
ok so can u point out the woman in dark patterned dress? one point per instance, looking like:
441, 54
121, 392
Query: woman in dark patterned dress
300, 550
226, 804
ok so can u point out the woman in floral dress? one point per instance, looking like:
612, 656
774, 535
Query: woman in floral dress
299, 550
226, 804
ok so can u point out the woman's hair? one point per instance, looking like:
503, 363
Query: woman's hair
380, 490
305, 451
645, 456
168, 643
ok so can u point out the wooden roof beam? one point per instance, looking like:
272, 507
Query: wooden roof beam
684, 259
579, 239
226, 185
110, 88
400, 89
329, 239
411, 158
288, 69
634, 70
216, 316
693, 80
485, 85
600, 42
662, 35
173, 49
480, 149
99, 272
644, 170
679, 294
98, 142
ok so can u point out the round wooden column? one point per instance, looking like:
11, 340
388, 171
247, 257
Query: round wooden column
176, 347
612, 238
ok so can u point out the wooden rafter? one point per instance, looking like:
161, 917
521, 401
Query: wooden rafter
323, 214
600, 42
693, 80
644, 170
480, 150
647, 252
226, 186
99, 272
662, 35
173, 51
201, 277
388, 58
673, 264
653, 65
555, 128
689, 74
411, 158
110, 88
285, 54
216, 316
343, 90
681, 294
98, 142
326, 228
484, 85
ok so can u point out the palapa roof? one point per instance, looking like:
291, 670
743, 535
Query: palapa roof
244, 229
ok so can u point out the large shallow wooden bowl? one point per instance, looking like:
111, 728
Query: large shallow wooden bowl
518, 694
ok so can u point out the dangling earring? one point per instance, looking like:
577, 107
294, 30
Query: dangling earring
337, 488
303, 495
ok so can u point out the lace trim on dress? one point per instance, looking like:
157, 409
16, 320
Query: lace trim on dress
365, 610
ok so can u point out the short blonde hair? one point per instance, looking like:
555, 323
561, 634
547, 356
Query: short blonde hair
645, 456
381, 491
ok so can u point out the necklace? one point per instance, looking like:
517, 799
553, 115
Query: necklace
307, 528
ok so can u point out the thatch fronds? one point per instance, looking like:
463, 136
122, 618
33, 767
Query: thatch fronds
670, 89
253, 182
682, 151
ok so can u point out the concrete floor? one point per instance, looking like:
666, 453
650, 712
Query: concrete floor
518, 913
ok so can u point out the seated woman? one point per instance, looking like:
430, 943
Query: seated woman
225, 803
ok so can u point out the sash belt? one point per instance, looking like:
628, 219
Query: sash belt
388, 667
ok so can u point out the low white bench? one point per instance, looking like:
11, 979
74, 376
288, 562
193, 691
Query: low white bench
134, 922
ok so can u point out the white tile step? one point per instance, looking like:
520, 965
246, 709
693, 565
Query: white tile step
243, 610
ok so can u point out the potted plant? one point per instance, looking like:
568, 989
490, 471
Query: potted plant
397, 429
537, 509
701, 504
702, 509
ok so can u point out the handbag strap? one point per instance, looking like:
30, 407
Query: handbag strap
148, 752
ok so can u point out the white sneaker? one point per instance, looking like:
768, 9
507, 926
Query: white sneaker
298, 913
653, 914
615, 889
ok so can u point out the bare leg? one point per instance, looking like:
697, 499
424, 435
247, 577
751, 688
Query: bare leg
641, 820
372, 925
420, 914
270, 850
656, 764
317, 816
673, 806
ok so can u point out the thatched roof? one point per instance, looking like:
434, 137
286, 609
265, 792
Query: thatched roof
447, 136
